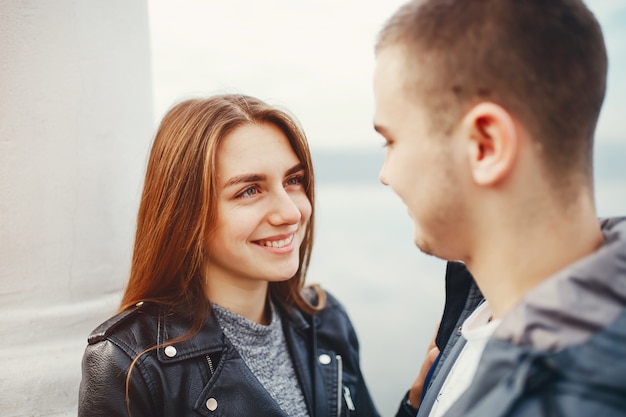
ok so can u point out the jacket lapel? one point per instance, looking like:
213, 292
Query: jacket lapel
299, 335
232, 389
235, 391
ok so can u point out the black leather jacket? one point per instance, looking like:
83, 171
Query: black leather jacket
205, 376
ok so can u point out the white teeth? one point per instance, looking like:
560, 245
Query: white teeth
277, 243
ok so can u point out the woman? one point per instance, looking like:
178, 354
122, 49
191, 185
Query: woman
215, 320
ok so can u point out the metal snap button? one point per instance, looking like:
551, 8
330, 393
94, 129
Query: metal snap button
211, 404
170, 351
324, 359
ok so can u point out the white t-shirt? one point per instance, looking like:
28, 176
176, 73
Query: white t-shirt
476, 329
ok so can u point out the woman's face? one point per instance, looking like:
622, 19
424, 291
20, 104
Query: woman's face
263, 209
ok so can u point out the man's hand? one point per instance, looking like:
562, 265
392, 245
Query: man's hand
415, 393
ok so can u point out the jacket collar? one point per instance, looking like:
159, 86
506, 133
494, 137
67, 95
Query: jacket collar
294, 316
210, 338
172, 326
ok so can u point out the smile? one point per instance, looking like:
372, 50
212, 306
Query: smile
276, 243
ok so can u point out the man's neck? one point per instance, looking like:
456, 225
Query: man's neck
514, 260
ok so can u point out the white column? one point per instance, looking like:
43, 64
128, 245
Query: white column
75, 128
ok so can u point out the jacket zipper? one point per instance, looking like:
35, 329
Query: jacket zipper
210, 362
339, 384
348, 397
343, 391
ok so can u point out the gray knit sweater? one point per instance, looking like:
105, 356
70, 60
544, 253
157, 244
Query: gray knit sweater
264, 350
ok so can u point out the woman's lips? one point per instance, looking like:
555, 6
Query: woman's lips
276, 242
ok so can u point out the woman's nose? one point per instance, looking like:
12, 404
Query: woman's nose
284, 209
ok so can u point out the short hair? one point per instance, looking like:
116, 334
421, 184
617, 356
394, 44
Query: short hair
544, 61
178, 209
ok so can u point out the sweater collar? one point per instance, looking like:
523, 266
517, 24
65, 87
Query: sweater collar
211, 337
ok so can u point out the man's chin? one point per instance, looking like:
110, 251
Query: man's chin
425, 249
431, 250
421, 243
426, 246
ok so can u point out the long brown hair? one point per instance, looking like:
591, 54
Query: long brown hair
178, 209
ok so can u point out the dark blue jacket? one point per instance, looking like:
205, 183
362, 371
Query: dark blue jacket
562, 350
586, 380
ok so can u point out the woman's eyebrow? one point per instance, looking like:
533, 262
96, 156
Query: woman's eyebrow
298, 167
245, 178
248, 178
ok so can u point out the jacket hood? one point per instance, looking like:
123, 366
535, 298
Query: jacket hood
536, 382
561, 350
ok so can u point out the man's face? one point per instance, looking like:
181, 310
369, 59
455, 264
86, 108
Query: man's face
422, 165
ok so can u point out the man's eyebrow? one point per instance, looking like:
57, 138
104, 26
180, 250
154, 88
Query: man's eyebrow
243, 179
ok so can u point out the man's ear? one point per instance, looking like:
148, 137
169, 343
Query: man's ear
492, 142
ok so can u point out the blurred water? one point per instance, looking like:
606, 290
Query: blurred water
364, 254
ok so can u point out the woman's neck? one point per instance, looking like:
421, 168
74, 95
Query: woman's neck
247, 301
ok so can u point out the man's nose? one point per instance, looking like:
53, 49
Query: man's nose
382, 175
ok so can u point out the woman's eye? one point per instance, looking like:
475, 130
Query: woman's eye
248, 192
298, 179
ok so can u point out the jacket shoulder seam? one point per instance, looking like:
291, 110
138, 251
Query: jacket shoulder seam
104, 330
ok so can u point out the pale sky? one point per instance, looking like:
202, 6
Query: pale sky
313, 57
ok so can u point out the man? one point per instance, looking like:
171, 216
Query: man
488, 108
